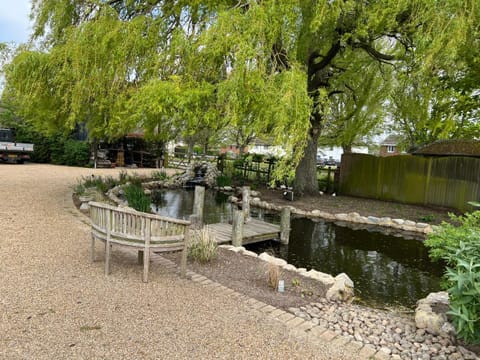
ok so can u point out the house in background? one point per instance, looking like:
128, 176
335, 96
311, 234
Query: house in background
265, 148
389, 146
328, 153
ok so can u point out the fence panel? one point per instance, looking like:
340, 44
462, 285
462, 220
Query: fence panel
439, 181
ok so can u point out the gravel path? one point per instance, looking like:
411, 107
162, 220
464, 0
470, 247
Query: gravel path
56, 304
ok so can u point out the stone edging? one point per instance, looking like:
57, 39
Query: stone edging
353, 217
340, 287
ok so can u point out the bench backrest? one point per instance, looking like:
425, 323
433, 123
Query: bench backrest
134, 228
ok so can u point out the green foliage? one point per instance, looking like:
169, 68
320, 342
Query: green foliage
159, 175
137, 198
463, 279
203, 247
98, 182
428, 218
79, 188
224, 180
459, 247
76, 153
448, 236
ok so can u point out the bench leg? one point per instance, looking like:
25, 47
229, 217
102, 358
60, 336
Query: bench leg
146, 264
140, 257
107, 257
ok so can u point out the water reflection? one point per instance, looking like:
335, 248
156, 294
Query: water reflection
386, 269
179, 204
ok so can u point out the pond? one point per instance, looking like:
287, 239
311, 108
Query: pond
387, 270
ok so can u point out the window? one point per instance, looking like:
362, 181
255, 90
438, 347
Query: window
390, 148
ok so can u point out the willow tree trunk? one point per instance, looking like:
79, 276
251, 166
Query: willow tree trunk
306, 182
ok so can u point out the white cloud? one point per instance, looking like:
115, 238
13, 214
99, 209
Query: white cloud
14, 20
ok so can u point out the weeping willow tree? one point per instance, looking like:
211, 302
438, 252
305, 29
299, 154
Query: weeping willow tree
186, 66
357, 108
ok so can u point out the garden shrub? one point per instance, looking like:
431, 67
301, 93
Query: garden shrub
76, 153
137, 198
448, 236
459, 247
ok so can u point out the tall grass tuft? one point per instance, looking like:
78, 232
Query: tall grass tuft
137, 198
273, 275
203, 247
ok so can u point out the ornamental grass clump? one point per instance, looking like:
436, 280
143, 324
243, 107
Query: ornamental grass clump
203, 247
459, 247
137, 198
273, 275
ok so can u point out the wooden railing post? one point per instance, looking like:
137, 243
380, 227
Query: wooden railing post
285, 225
108, 214
237, 228
186, 244
198, 205
246, 202
146, 251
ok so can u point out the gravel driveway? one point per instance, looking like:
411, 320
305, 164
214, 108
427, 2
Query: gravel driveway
56, 304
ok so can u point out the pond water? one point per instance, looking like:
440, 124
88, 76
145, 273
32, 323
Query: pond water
387, 270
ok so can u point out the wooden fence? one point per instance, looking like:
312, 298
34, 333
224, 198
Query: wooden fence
438, 181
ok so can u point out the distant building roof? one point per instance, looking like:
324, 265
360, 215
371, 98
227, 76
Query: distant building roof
391, 140
451, 148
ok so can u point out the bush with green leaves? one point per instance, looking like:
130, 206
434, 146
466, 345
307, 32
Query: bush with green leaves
137, 198
463, 281
448, 235
76, 153
459, 247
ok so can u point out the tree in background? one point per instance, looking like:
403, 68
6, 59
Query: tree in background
280, 63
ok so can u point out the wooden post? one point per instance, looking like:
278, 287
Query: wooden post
186, 244
198, 204
246, 202
146, 251
237, 228
107, 242
285, 225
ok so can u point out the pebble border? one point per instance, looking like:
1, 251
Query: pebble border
301, 329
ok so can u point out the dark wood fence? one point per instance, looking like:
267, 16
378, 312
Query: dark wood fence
438, 181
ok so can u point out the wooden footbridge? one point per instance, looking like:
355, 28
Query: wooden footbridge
243, 230
254, 231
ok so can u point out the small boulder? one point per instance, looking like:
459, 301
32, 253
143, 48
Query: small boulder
430, 313
342, 289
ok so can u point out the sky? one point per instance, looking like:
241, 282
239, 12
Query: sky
14, 22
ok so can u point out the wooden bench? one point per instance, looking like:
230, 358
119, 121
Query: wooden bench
146, 232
